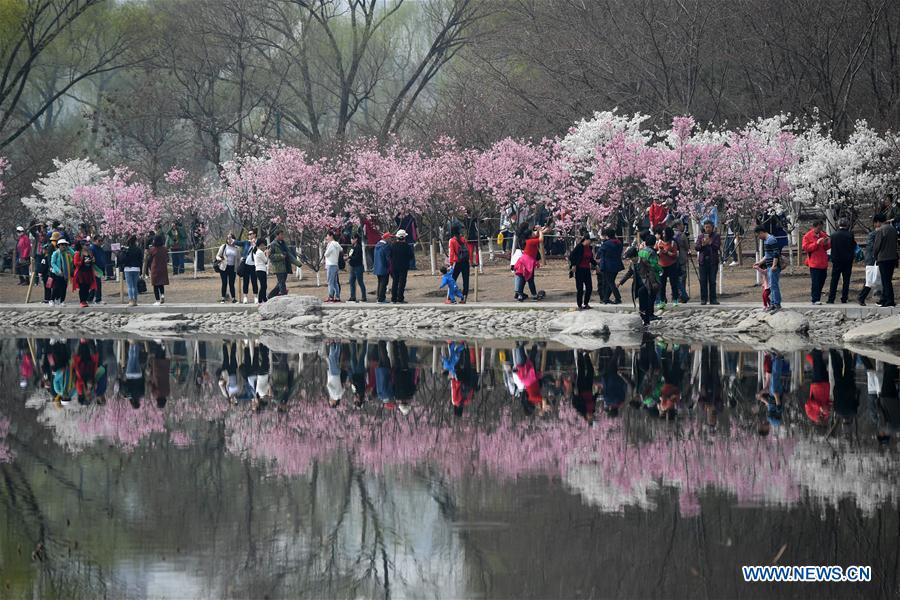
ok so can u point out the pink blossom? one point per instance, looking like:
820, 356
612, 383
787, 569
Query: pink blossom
118, 207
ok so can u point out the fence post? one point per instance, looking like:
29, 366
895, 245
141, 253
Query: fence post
30, 280
196, 254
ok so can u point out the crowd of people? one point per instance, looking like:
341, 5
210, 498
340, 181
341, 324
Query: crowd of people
658, 261
659, 379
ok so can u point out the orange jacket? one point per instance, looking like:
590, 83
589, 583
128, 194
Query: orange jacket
816, 254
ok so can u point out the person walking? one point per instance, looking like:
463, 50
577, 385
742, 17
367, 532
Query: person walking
83, 279
886, 258
707, 246
459, 259
684, 257
355, 262
873, 278
581, 263
132, 262
401, 256
228, 256
333, 258
176, 240
43, 269
816, 244
381, 266
609, 255
667, 251
281, 257
248, 271
61, 268
771, 261
261, 266
158, 268
843, 253
23, 255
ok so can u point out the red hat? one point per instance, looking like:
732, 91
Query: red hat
387, 235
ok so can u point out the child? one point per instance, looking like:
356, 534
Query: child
453, 291
764, 278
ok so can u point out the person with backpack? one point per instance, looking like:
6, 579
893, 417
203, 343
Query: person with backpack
334, 256
459, 259
609, 257
281, 257
646, 272
581, 263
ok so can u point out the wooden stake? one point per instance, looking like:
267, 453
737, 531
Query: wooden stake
30, 281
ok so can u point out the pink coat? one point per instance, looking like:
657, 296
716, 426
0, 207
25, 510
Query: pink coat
23, 248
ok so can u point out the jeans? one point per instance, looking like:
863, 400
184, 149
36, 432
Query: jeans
250, 276
774, 286
261, 278
886, 270
356, 277
398, 285
462, 268
682, 281
131, 281
670, 275
227, 275
817, 279
382, 287
520, 285
280, 288
177, 262
709, 269
606, 284
334, 283
838, 272
583, 287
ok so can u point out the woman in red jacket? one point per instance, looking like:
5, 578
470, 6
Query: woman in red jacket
459, 259
816, 244
83, 279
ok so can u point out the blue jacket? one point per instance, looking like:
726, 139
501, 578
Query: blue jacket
448, 282
609, 255
382, 264
100, 258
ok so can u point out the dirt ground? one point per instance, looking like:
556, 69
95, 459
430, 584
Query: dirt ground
495, 284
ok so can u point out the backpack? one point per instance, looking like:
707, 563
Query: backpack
649, 276
342, 263
462, 252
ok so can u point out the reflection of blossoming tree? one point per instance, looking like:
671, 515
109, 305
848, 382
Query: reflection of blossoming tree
6, 454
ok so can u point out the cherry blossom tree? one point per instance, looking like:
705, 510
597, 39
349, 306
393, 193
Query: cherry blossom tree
117, 206
190, 200
53, 199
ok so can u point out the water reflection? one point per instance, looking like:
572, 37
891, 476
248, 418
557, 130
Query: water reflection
370, 465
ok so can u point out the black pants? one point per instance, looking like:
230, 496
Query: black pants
708, 271
159, 291
280, 288
838, 272
260, 278
462, 267
381, 292
817, 279
646, 300
398, 285
250, 276
201, 259
228, 276
670, 274
59, 288
48, 291
606, 285
97, 295
886, 270
583, 287
84, 293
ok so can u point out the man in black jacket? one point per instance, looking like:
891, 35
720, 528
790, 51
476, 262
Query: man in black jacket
843, 251
886, 257
401, 256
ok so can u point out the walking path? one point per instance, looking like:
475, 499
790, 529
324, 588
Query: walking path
851, 310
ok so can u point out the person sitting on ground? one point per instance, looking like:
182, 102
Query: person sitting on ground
453, 291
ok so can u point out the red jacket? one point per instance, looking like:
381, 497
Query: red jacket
453, 246
23, 248
657, 214
817, 255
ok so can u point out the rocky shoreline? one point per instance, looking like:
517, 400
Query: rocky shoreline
298, 320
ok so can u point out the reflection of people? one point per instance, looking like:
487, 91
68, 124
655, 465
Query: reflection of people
458, 365
132, 385
358, 372
673, 379
404, 377
228, 381
85, 364
613, 385
888, 405
336, 375
158, 366
583, 398
384, 386
772, 394
818, 406
529, 380
846, 396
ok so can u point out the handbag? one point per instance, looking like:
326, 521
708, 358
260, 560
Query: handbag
241, 268
217, 262
142, 286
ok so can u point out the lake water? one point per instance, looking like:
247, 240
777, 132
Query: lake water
209, 469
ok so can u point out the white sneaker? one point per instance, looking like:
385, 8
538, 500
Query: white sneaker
52, 302
162, 300
733, 263
157, 303
256, 300
245, 299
